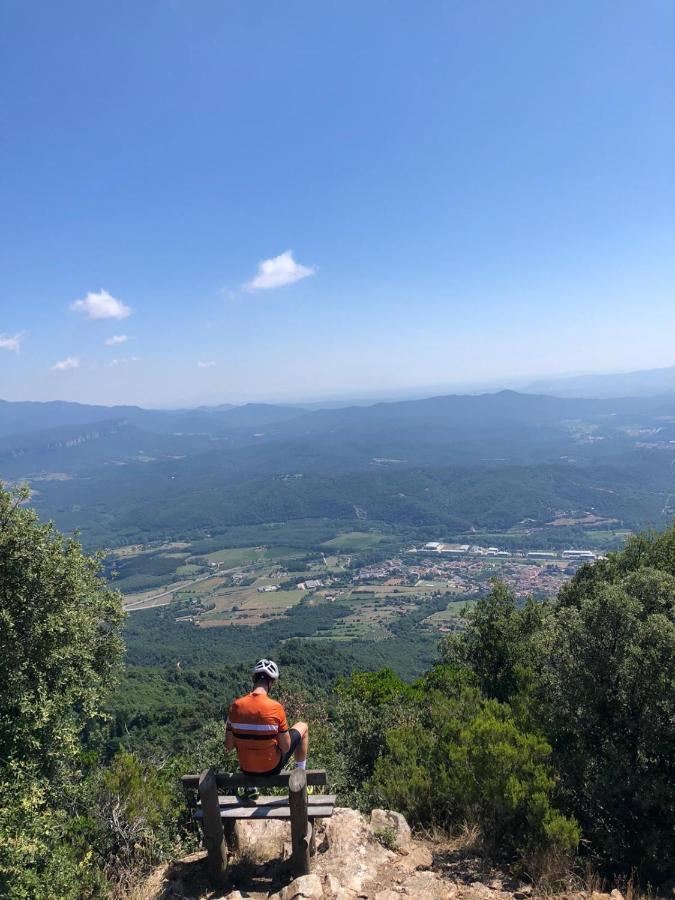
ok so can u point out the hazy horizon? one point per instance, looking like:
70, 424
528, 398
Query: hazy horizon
238, 202
409, 392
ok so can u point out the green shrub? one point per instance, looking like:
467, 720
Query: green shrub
467, 760
607, 693
142, 797
387, 837
41, 854
369, 705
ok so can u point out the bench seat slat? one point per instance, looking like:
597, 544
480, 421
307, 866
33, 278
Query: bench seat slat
268, 812
315, 777
312, 800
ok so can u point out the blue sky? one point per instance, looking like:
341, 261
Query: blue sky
472, 191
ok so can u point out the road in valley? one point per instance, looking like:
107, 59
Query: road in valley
164, 598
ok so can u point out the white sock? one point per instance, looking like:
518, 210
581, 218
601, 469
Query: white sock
301, 765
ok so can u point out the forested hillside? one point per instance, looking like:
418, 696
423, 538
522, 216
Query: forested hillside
483, 463
547, 725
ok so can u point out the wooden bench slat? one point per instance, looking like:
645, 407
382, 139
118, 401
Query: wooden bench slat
312, 800
315, 777
268, 812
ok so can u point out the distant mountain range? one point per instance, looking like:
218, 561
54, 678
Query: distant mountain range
451, 462
21, 417
457, 429
647, 383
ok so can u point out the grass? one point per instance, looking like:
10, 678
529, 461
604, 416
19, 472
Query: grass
188, 569
233, 556
205, 586
239, 556
452, 611
354, 540
334, 563
380, 592
274, 600
344, 631
244, 605
141, 595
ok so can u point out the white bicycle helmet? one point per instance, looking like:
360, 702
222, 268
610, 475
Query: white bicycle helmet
266, 667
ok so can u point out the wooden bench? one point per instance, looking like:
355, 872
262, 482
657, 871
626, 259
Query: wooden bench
218, 810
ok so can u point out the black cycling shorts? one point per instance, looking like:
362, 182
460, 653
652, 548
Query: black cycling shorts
295, 737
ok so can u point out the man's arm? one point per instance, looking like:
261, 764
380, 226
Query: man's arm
283, 737
229, 736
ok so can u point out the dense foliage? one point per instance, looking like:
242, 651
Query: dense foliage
60, 646
607, 692
452, 463
141, 503
541, 724
541, 716
594, 671
59, 640
444, 754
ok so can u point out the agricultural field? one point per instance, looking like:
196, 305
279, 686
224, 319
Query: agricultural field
365, 594
159, 573
355, 540
451, 617
374, 607
242, 556
245, 606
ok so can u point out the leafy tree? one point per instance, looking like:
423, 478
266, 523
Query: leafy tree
608, 692
369, 704
60, 646
497, 643
59, 640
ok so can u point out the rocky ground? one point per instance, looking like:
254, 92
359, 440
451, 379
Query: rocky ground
355, 859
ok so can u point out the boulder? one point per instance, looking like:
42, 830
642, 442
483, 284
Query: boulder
417, 857
261, 841
420, 885
349, 852
333, 889
387, 819
306, 887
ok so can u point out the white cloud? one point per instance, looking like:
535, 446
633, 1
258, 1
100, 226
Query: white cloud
70, 362
123, 361
12, 342
101, 306
206, 365
117, 339
278, 271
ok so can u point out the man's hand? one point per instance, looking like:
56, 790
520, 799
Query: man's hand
284, 740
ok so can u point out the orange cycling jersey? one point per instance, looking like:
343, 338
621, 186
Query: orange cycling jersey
255, 721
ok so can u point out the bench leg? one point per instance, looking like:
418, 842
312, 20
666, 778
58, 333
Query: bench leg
214, 839
230, 835
301, 830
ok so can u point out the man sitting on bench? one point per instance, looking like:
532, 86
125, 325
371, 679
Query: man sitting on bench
257, 728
